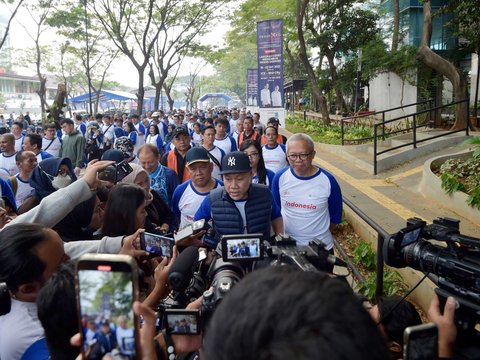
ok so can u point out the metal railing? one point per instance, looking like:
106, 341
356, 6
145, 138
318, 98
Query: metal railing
414, 127
380, 117
381, 236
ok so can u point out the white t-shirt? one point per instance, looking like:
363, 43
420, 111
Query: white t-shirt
24, 191
218, 154
308, 205
19, 143
274, 158
197, 139
19, 329
125, 340
52, 147
228, 144
186, 201
8, 163
240, 205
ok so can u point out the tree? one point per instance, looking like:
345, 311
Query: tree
465, 25
302, 6
339, 28
443, 67
192, 88
180, 26
3, 37
39, 14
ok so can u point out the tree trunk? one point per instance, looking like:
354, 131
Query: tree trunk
339, 101
141, 92
301, 8
443, 67
168, 94
396, 24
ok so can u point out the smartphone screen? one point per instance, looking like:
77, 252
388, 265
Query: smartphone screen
106, 289
421, 342
182, 322
157, 245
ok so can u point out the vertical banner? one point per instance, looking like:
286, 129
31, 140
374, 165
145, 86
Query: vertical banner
252, 90
270, 69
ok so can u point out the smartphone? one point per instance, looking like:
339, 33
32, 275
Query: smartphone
242, 247
189, 230
107, 286
182, 322
157, 245
115, 172
420, 342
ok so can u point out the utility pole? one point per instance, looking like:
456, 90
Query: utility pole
88, 59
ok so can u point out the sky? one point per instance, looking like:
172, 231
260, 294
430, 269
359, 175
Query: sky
121, 70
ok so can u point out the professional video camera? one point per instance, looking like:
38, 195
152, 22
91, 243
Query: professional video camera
455, 269
194, 274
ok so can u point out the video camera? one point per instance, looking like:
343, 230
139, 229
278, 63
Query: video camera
455, 269
193, 275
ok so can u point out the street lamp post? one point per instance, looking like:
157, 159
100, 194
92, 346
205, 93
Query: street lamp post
88, 59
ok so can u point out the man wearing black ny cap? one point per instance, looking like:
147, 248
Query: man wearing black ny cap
175, 158
240, 207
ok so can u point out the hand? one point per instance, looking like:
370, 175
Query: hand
161, 273
4, 218
447, 331
147, 332
192, 240
93, 168
77, 171
131, 243
163, 228
186, 344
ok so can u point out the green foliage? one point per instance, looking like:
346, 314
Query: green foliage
392, 285
476, 142
463, 175
450, 183
474, 199
365, 255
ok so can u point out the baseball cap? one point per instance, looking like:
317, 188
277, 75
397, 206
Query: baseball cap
180, 131
197, 154
235, 162
155, 114
273, 120
113, 155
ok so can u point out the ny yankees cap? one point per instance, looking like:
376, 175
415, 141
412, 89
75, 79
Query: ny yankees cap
235, 162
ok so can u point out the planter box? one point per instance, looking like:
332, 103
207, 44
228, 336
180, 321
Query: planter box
431, 187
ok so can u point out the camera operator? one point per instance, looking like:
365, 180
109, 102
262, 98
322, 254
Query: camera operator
240, 206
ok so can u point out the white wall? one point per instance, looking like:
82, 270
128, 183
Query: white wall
473, 77
386, 93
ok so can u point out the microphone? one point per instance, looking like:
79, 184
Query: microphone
333, 260
181, 272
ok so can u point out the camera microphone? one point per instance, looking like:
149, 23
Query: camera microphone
181, 273
333, 260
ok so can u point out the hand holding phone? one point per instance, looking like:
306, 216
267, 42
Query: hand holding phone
107, 286
420, 342
157, 245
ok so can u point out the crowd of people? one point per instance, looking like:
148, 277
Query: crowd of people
226, 167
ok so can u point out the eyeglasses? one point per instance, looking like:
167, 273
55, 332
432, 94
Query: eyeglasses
294, 157
252, 155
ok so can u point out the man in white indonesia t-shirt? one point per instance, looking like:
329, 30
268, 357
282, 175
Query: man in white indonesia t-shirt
309, 197
7, 157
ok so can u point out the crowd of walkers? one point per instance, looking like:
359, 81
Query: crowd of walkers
165, 171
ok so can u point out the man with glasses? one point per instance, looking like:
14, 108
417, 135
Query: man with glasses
50, 142
309, 197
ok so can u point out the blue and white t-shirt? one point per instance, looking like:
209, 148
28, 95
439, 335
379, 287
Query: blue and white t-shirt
228, 144
218, 154
186, 200
308, 205
274, 158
